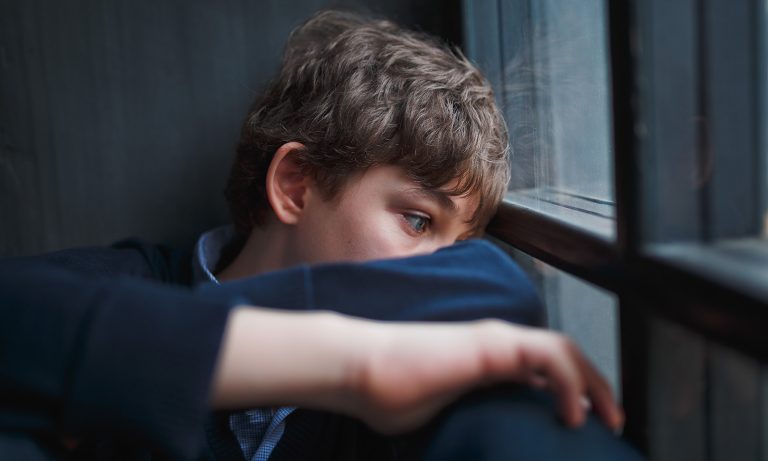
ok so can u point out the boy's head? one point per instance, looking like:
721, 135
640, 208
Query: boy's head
355, 98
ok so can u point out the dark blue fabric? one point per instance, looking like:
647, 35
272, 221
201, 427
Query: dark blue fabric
91, 345
85, 350
512, 423
466, 281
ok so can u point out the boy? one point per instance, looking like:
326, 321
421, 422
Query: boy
372, 143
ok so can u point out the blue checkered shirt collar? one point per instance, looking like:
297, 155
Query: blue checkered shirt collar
257, 430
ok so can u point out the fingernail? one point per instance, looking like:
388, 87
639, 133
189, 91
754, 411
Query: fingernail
618, 423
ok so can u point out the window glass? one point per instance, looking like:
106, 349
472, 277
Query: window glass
587, 314
557, 103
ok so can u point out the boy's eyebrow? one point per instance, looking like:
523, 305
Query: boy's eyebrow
442, 198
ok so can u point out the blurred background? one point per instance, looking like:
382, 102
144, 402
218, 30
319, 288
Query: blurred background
120, 119
639, 196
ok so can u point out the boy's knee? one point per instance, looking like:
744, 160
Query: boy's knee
514, 423
24, 446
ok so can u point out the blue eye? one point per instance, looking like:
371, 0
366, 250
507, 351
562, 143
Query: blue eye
417, 222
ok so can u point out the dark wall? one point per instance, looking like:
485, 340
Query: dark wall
119, 118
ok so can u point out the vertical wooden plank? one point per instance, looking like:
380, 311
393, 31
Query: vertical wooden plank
762, 426
733, 113
677, 390
664, 377
120, 119
669, 120
735, 403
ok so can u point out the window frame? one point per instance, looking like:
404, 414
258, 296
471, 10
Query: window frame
633, 265
643, 265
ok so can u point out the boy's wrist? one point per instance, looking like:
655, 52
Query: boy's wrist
360, 343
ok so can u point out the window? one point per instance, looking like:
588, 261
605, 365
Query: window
667, 101
586, 313
551, 77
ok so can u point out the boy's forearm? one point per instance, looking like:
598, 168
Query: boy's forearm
273, 357
394, 376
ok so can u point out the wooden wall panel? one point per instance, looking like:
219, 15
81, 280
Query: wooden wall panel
120, 118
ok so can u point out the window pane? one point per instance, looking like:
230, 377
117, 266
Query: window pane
585, 313
557, 104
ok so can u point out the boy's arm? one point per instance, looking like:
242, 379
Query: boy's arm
467, 281
395, 376
124, 354
81, 355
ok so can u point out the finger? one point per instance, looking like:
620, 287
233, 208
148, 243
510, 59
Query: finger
555, 359
601, 395
538, 381
586, 403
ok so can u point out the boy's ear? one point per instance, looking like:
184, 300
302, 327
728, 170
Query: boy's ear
287, 184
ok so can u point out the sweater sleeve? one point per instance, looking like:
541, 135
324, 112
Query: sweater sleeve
82, 354
467, 281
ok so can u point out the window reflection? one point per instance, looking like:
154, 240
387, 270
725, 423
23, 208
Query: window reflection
557, 103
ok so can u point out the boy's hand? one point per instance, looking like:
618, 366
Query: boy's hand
411, 371
395, 376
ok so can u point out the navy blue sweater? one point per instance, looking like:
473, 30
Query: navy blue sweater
113, 344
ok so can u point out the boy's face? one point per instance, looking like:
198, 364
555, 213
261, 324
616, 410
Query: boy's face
381, 213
